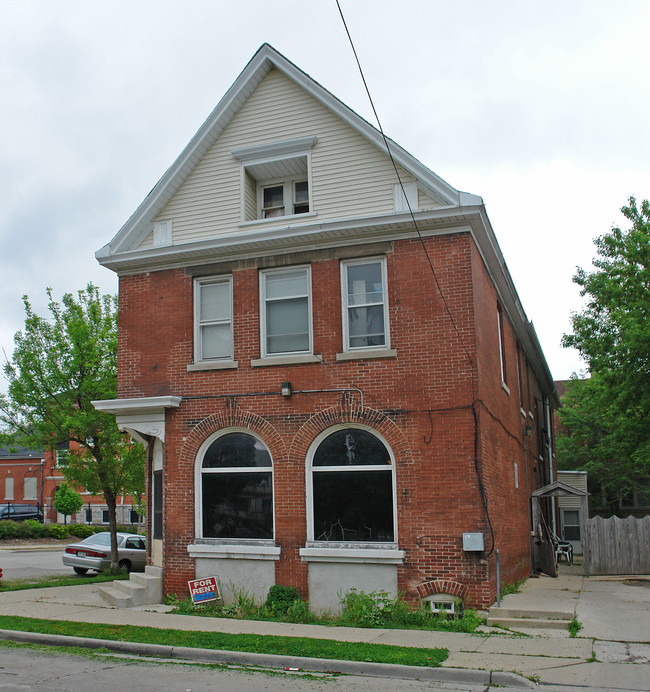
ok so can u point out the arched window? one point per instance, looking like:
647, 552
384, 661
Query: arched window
352, 488
236, 480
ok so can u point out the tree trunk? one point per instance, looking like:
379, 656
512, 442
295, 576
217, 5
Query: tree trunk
112, 526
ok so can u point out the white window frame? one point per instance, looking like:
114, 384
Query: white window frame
442, 603
263, 341
502, 348
344, 302
288, 196
198, 487
564, 524
198, 345
9, 488
340, 545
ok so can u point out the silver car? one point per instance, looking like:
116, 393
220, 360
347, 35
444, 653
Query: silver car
94, 553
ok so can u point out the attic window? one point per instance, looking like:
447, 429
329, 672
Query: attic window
276, 179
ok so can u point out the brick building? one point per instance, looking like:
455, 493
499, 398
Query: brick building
331, 368
32, 477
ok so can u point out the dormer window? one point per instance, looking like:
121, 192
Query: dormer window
276, 179
282, 199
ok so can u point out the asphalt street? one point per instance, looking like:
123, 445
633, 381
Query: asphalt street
24, 670
23, 564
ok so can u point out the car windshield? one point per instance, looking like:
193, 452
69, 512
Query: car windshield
99, 539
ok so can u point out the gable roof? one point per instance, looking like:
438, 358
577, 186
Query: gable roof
139, 225
19, 452
558, 488
458, 209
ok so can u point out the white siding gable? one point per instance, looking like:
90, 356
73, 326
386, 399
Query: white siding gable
351, 177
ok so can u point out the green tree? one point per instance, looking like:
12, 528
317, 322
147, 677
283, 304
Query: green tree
607, 416
67, 501
59, 366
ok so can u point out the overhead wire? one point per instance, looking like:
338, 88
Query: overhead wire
482, 490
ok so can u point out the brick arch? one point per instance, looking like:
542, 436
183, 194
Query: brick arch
232, 417
447, 586
351, 413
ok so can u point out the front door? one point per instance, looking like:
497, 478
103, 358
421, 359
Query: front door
570, 528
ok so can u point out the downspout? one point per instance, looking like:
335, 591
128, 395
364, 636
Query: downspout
549, 444
40, 494
530, 529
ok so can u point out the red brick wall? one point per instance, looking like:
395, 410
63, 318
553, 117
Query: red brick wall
421, 401
502, 431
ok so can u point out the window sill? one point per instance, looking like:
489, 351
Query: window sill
348, 553
238, 551
505, 388
276, 219
366, 355
286, 360
213, 365
523, 413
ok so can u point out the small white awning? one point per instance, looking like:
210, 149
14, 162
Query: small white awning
140, 417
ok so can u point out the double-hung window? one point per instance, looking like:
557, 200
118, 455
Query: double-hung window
213, 319
285, 297
284, 198
365, 304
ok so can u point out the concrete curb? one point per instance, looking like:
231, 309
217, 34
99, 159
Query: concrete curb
33, 548
319, 665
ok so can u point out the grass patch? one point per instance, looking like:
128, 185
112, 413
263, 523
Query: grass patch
253, 643
72, 580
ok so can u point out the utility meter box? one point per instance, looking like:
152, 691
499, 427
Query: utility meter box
473, 542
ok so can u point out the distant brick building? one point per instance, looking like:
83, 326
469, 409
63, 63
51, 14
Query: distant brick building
322, 410
32, 477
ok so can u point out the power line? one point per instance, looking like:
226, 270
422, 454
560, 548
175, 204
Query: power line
408, 203
482, 489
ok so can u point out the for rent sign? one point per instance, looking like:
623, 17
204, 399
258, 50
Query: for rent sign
204, 590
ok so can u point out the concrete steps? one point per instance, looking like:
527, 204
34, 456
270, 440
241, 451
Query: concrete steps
141, 589
517, 618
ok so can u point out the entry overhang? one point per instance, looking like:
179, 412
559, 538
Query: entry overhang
141, 418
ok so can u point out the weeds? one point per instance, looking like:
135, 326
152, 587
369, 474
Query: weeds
574, 627
358, 609
515, 586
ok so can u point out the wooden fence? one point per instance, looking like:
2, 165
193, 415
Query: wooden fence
616, 546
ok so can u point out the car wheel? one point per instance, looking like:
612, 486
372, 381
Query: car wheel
80, 570
124, 564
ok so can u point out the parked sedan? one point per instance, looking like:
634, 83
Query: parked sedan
94, 553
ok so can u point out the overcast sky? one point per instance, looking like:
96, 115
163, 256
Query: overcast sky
542, 108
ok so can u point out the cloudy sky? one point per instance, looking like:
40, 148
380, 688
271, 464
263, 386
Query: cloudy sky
542, 108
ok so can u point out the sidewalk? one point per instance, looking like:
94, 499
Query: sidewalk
549, 656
